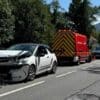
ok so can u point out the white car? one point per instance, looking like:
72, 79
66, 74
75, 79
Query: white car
24, 61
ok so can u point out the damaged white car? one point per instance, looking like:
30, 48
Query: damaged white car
24, 61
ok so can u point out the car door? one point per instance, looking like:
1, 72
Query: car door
43, 58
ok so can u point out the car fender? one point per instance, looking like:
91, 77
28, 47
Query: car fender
54, 59
29, 61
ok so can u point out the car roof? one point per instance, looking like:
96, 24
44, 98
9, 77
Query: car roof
35, 44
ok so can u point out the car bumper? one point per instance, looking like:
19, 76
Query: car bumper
13, 72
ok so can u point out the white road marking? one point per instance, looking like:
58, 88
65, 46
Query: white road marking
62, 75
22, 88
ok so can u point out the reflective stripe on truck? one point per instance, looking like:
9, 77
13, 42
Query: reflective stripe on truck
63, 44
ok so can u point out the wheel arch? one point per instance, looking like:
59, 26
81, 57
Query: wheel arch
55, 62
34, 67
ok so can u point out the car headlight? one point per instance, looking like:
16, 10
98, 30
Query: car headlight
22, 61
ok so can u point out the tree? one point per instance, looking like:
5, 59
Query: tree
80, 12
56, 15
32, 21
59, 19
86, 18
96, 9
6, 22
62, 22
73, 12
54, 9
98, 37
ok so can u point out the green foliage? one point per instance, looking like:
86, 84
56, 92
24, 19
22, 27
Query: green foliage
32, 21
81, 13
6, 22
35, 21
54, 7
86, 18
98, 38
59, 19
62, 21
96, 9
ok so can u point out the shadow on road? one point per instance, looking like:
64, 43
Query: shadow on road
68, 65
7, 82
95, 70
2, 83
84, 97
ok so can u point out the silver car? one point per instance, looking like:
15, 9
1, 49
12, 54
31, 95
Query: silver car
24, 61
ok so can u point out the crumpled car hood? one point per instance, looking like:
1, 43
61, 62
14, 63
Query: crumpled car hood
11, 53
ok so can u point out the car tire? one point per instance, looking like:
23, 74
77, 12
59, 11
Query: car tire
31, 73
54, 68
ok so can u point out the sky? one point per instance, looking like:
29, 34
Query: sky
65, 3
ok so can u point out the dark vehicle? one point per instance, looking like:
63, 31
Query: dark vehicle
24, 61
96, 52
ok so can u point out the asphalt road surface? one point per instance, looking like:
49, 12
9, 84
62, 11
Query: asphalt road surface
69, 83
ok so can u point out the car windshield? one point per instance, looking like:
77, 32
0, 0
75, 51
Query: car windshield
24, 47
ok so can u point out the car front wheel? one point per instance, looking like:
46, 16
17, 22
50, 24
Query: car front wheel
31, 73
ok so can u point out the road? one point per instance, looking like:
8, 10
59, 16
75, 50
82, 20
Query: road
69, 82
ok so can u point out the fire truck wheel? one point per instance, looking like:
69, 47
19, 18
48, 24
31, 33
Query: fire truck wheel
89, 59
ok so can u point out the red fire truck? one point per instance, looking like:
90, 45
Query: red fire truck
70, 46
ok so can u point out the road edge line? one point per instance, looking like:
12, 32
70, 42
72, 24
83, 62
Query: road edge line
22, 88
65, 74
